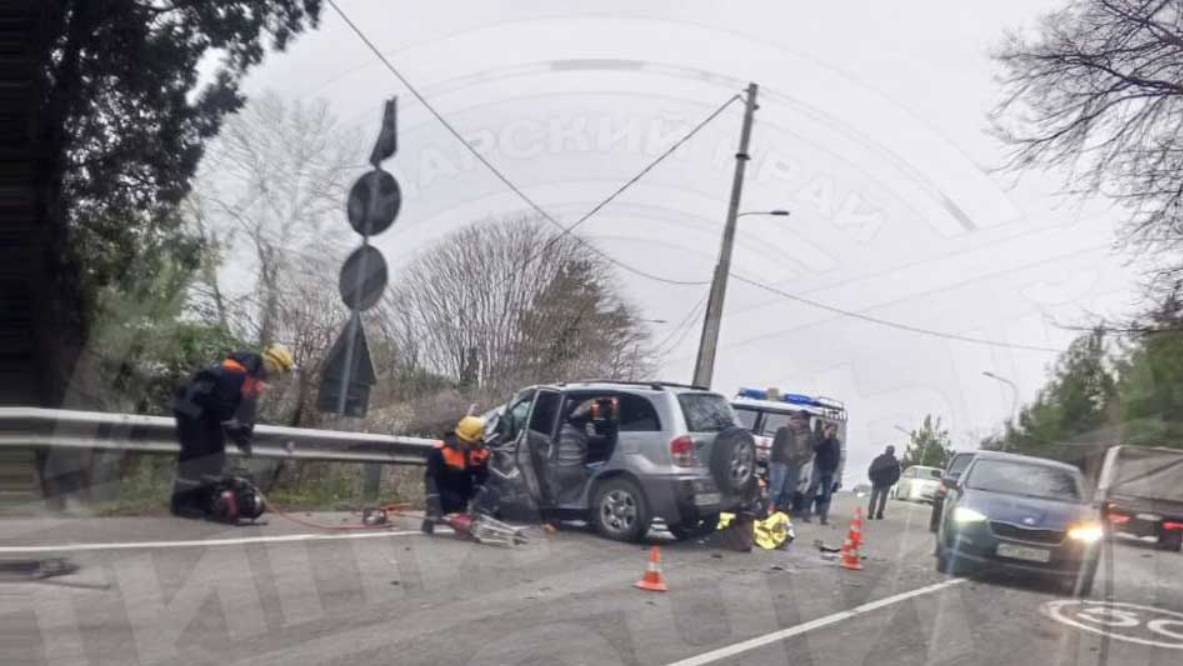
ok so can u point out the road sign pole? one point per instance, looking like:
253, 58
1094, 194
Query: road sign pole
354, 322
373, 205
347, 367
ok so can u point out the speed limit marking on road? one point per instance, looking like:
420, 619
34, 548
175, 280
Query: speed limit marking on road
1132, 623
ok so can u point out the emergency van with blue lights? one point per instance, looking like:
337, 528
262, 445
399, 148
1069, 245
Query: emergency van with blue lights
764, 411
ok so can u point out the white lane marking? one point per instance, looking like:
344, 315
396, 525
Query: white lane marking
1089, 610
1160, 626
200, 543
796, 630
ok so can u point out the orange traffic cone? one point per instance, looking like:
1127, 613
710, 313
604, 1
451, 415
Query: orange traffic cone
856, 528
850, 556
653, 580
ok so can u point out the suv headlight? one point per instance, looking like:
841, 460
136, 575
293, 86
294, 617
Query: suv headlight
1086, 532
964, 514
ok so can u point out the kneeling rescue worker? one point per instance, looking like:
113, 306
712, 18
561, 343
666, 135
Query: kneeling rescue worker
457, 469
218, 401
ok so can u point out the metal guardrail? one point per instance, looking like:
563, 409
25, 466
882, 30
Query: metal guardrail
38, 428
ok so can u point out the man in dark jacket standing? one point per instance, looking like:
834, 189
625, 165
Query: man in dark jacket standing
827, 455
884, 472
792, 449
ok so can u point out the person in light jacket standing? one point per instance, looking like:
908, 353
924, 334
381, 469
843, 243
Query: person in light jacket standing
792, 449
884, 472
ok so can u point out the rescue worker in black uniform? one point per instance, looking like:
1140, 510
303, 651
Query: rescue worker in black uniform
218, 401
457, 469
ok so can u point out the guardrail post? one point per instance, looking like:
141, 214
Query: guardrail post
371, 481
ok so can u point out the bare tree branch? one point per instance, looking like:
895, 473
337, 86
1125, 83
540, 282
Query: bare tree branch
468, 298
1098, 92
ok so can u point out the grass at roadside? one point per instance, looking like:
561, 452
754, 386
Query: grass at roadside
144, 482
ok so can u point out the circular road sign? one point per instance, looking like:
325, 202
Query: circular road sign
363, 277
374, 201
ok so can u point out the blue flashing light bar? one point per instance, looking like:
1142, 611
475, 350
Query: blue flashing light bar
790, 398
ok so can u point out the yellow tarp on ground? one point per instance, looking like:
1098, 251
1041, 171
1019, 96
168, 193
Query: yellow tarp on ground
771, 533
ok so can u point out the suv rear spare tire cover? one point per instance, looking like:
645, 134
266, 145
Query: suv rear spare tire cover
733, 461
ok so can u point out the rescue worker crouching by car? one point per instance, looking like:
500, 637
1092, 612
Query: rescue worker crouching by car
457, 469
218, 401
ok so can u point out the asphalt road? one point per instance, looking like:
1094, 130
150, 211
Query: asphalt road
158, 590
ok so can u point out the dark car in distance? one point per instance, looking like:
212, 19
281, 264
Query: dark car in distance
1141, 490
1020, 514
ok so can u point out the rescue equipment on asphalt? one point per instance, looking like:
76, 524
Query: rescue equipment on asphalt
485, 529
233, 499
653, 581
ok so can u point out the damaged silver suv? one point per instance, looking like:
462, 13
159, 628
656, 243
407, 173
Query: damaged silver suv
621, 454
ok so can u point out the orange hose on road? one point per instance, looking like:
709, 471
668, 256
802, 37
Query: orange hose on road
393, 509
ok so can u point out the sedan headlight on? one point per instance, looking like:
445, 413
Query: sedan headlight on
1086, 532
964, 514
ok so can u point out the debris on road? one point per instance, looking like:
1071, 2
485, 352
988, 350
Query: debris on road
820, 545
14, 570
373, 516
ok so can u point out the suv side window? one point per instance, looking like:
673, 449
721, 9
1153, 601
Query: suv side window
774, 421
546, 411
960, 462
513, 419
747, 417
637, 414
706, 412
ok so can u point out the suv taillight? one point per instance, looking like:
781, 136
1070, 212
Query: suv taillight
682, 451
1119, 518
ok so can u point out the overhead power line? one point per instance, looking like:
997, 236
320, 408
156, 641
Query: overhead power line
893, 324
509, 183
565, 230
679, 331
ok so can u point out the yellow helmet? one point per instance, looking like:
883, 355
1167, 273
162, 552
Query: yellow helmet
471, 429
278, 359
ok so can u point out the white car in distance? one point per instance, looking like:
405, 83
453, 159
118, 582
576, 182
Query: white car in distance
918, 484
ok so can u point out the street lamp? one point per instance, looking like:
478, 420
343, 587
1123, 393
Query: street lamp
778, 212
1014, 399
704, 365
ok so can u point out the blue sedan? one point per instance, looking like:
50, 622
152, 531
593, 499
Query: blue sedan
1022, 514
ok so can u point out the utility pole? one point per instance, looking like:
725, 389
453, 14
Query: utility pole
704, 367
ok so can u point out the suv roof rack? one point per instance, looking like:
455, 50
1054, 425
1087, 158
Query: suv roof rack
655, 385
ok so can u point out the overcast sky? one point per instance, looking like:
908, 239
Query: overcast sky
872, 130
